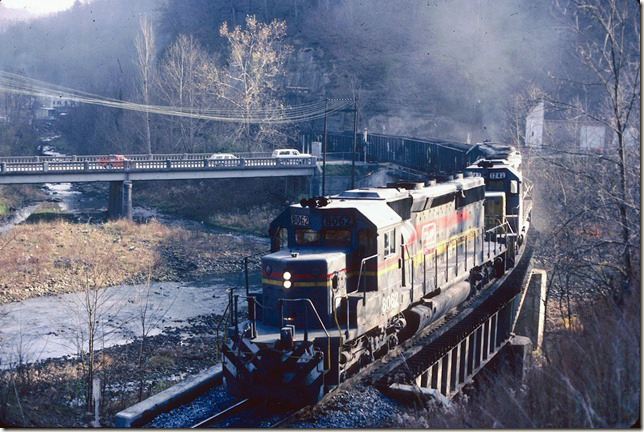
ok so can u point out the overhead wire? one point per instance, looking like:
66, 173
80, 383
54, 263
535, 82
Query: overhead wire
267, 115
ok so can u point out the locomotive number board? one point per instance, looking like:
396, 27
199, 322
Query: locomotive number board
337, 221
300, 220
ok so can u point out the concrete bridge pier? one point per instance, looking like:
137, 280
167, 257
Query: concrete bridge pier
531, 319
120, 200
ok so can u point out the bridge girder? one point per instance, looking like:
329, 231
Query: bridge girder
223, 173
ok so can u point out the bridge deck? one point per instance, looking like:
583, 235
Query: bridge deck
154, 167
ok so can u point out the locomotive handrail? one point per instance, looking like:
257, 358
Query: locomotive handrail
505, 226
411, 258
512, 216
308, 301
335, 315
364, 296
224, 318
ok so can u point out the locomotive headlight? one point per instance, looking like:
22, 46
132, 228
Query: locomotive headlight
287, 284
287, 276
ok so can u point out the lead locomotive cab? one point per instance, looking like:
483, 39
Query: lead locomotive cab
302, 311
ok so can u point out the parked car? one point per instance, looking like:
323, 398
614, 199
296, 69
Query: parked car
221, 157
112, 161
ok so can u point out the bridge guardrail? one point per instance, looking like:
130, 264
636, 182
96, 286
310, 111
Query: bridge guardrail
131, 157
159, 163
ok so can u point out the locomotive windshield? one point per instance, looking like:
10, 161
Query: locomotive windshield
337, 237
307, 237
280, 239
328, 237
495, 186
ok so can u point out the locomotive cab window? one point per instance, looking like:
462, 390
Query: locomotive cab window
337, 237
307, 237
280, 241
390, 242
365, 242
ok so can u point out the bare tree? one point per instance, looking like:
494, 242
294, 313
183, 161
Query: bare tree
18, 107
144, 45
149, 317
91, 308
517, 109
187, 77
607, 36
251, 82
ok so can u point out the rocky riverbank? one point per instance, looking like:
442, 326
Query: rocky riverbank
60, 257
47, 259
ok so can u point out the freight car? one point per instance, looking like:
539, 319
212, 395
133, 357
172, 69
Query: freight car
353, 275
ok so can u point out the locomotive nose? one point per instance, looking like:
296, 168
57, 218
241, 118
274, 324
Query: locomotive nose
292, 276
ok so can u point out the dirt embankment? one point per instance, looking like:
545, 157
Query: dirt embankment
49, 258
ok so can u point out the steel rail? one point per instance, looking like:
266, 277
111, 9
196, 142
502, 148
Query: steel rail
223, 414
247, 404
289, 417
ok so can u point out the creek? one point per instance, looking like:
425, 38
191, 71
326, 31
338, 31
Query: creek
56, 326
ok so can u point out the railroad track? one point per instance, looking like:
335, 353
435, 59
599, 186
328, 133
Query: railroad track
254, 414
248, 413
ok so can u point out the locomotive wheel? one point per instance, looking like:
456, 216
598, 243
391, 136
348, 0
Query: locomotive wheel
392, 341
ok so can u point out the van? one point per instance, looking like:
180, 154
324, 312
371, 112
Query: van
289, 153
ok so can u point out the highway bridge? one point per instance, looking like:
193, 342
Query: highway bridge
71, 169
121, 172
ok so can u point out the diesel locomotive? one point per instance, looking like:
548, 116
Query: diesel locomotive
352, 275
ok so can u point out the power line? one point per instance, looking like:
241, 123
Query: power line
278, 114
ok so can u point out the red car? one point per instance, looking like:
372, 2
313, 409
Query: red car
112, 161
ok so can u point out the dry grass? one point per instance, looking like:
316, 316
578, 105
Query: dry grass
256, 220
588, 377
57, 257
46, 258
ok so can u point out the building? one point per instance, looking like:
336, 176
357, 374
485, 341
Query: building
51, 107
548, 128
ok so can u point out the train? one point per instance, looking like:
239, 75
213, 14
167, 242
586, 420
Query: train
353, 275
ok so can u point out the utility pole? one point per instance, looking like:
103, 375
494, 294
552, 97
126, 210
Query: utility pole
353, 155
326, 103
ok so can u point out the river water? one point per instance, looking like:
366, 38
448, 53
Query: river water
54, 326
64, 194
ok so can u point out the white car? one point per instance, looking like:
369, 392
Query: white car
289, 153
221, 157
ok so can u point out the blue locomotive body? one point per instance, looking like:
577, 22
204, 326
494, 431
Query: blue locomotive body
351, 276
